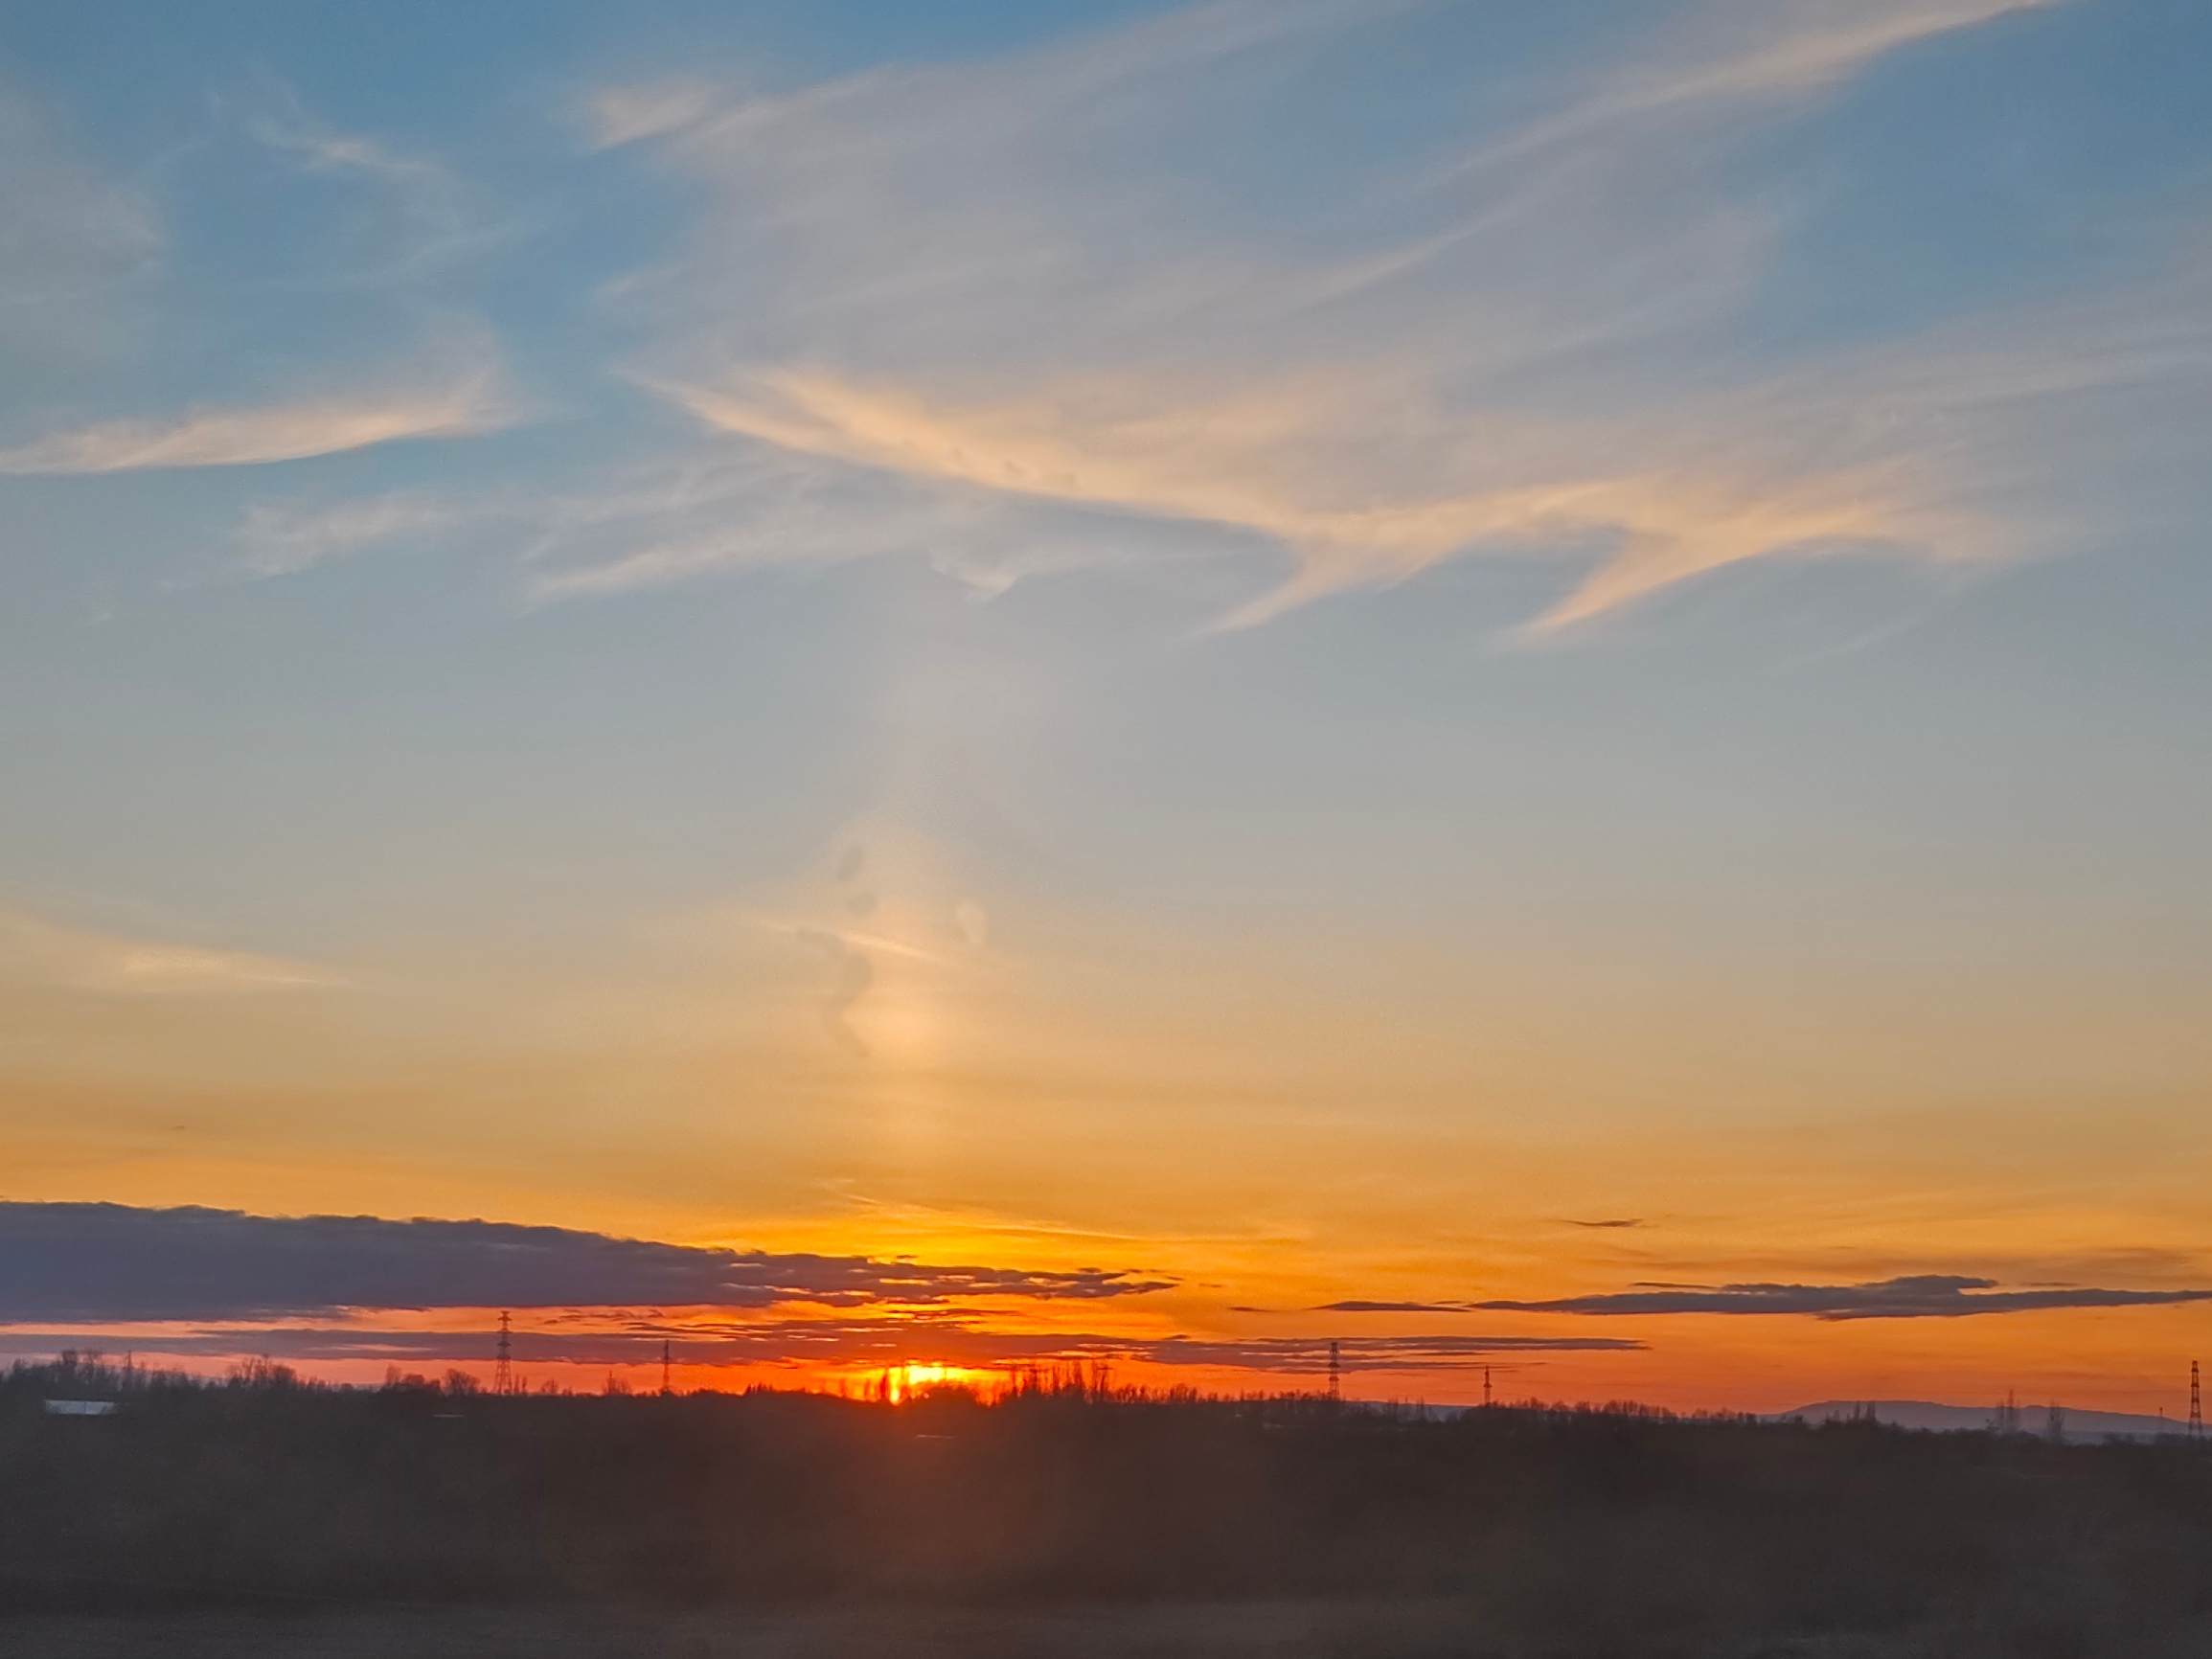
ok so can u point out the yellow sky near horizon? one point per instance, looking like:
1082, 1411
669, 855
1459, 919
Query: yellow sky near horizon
1269, 1135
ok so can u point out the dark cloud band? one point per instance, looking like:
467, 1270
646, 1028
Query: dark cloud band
69, 1262
1919, 1296
940, 1337
1420, 1352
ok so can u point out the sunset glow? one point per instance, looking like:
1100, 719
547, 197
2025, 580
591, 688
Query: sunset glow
901, 700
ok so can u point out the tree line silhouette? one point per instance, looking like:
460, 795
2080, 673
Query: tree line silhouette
1546, 1529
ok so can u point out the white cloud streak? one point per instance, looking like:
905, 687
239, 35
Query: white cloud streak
283, 538
970, 279
1759, 49
421, 215
464, 405
44, 952
621, 115
1270, 462
682, 519
990, 314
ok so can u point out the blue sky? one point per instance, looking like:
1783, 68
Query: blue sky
1388, 571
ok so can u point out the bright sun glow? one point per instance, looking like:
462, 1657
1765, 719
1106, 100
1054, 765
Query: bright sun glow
901, 1382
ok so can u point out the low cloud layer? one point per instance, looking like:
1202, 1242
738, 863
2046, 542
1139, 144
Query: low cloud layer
938, 1336
1309, 1356
92, 1263
1917, 1296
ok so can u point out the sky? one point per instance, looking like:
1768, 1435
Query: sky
956, 686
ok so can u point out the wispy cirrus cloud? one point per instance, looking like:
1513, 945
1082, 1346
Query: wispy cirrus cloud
1280, 460
111, 1261
977, 280
282, 538
1755, 49
47, 952
71, 239
685, 518
1915, 1296
411, 214
457, 405
988, 314
621, 115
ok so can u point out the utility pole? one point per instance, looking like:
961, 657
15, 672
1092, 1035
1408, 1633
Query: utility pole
667, 1378
503, 1368
1335, 1375
2195, 1404
1486, 1388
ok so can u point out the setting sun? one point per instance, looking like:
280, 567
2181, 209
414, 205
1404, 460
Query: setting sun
906, 1381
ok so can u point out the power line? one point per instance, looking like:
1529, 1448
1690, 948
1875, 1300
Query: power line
503, 1368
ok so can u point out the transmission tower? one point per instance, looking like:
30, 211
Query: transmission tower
1485, 1401
503, 1368
1335, 1375
2195, 1404
668, 1384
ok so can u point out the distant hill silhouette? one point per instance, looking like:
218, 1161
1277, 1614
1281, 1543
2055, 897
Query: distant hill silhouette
2075, 1426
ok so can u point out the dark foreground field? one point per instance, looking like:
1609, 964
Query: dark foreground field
1186, 1630
276, 1520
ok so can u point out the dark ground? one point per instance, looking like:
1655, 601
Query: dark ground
275, 1519
1199, 1631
